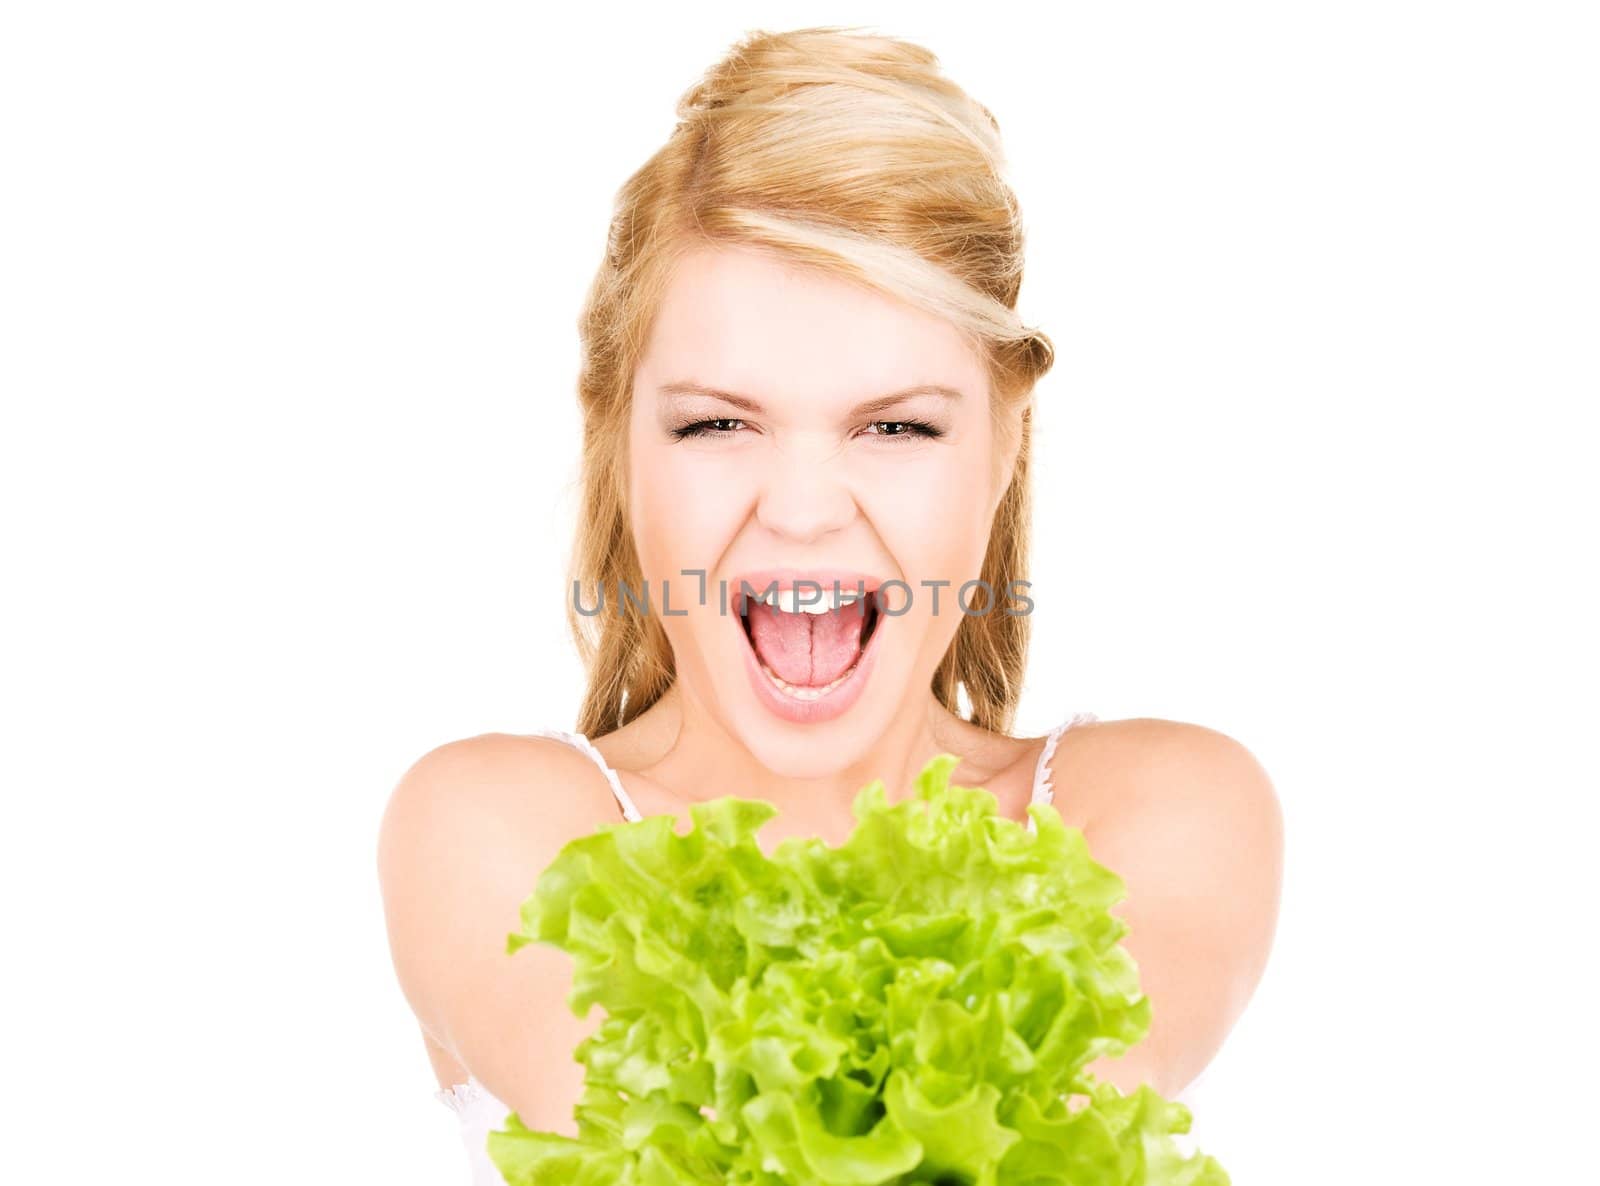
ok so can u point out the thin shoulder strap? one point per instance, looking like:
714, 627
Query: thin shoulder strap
579, 741
1043, 792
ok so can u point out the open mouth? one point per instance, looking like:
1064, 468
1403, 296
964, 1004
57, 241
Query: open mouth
808, 645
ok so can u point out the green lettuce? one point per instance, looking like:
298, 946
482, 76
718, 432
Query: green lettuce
916, 1006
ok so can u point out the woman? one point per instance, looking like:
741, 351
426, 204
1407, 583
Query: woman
802, 364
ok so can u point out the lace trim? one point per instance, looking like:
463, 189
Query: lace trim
1043, 792
462, 1096
578, 740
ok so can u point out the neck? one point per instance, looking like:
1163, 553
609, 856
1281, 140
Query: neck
705, 761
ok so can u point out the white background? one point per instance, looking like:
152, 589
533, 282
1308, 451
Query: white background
288, 354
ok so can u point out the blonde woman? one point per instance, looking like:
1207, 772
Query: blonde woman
804, 377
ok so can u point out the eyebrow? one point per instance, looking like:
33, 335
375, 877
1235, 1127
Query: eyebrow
876, 404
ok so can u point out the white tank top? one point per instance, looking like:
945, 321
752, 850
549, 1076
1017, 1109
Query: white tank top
480, 1112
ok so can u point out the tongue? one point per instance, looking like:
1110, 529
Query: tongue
807, 650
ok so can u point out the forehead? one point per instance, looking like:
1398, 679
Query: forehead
742, 318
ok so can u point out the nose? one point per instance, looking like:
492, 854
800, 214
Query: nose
804, 492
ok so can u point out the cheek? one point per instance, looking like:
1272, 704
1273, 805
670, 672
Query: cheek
930, 511
670, 539
683, 514
651, 506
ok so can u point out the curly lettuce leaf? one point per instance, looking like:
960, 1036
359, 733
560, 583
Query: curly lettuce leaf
916, 1006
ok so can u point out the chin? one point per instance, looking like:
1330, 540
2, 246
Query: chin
814, 749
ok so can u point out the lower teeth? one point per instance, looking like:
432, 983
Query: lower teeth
802, 693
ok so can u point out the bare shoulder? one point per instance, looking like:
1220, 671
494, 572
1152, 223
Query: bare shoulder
463, 794
1191, 822
494, 797
495, 777
465, 835
1121, 769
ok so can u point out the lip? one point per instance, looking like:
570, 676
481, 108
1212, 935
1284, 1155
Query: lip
761, 579
835, 703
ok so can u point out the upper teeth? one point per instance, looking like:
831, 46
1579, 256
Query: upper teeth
807, 600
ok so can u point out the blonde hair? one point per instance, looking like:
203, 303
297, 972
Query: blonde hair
846, 152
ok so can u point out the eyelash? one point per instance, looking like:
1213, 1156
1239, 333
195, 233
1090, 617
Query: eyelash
702, 428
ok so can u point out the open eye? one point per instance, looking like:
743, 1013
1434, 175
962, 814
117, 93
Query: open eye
913, 429
707, 428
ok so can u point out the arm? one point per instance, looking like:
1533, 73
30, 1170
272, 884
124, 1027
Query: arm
1191, 823
462, 842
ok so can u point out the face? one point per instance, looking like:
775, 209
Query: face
775, 433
